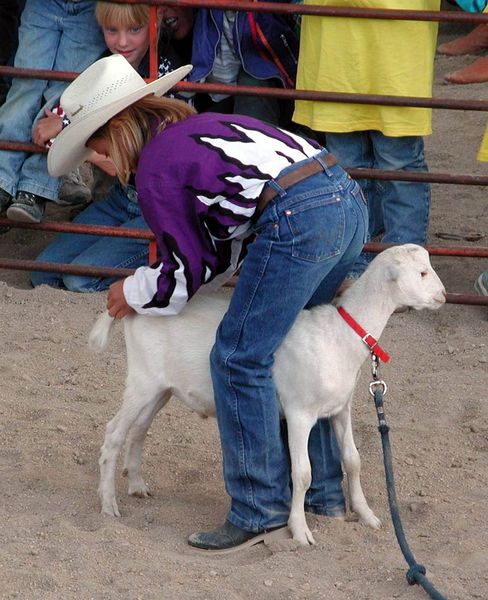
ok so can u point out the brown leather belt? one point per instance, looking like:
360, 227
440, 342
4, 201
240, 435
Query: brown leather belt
299, 174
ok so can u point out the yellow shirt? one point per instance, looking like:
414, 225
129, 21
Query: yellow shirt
367, 56
483, 151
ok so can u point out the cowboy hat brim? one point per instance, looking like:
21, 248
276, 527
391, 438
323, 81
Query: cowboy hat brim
69, 149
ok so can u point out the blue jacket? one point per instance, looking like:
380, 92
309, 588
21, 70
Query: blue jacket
472, 5
266, 44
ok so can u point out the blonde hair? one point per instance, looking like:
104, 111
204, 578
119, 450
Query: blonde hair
129, 131
125, 16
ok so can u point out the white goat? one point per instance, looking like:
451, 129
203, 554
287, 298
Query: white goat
315, 372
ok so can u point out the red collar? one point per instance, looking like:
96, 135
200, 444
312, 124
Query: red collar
367, 338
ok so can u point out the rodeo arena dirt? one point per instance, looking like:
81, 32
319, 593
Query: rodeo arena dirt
56, 398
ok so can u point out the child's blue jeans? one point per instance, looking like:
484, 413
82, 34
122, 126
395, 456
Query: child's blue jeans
119, 209
307, 240
397, 209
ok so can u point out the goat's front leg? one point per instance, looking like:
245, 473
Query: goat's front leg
135, 444
352, 465
299, 427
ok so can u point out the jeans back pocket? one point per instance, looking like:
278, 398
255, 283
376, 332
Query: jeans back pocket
317, 227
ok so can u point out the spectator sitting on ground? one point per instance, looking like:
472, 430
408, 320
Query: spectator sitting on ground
63, 36
126, 31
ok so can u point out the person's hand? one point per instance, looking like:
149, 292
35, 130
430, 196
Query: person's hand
116, 303
103, 162
47, 128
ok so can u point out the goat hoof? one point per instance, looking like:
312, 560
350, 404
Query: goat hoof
372, 521
111, 510
304, 538
138, 489
140, 493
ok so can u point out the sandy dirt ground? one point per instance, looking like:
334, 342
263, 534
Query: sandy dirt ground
56, 398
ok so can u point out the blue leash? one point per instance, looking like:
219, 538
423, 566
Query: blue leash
416, 571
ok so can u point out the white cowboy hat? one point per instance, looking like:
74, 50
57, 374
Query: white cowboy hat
98, 93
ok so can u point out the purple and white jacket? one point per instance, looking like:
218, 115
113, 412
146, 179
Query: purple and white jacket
198, 183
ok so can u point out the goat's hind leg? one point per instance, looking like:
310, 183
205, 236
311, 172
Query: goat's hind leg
299, 427
135, 443
352, 465
115, 434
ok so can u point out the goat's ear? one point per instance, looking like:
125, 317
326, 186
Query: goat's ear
393, 271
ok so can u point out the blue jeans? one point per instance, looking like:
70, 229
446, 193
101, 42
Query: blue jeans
119, 209
307, 240
54, 34
271, 110
397, 209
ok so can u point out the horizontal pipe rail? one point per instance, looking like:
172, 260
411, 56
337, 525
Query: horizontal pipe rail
460, 251
467, 299
62, 227
18, 264
424, 177
22, 146
324, 96
25, 73
325, 11
379, 174
146, 234
280, 93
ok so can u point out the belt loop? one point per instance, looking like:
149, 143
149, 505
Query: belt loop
319, 159
276, 187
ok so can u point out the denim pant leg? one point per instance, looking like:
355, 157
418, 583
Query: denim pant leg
73, 40
355, 150
269, 110
100, 251
24, 98
292, 255
117, 252
405, 204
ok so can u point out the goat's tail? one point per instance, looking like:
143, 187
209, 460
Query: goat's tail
98, 338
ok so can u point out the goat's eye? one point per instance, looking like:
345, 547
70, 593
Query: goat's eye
423, 274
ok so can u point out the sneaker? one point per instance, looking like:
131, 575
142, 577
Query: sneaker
27, 207
5, 200
75, 187
481, 284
